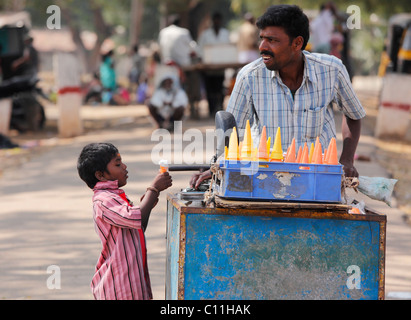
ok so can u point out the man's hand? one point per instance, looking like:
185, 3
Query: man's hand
197, 178
349, 169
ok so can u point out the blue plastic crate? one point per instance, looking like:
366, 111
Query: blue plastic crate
279, 181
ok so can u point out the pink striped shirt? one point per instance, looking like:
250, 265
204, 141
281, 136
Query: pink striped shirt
121, 271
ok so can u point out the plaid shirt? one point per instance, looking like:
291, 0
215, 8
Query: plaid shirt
259, 95
121, 270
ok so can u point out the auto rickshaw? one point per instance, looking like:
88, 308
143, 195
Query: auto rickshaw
397, 56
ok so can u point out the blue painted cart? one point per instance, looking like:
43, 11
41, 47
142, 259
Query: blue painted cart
273, 250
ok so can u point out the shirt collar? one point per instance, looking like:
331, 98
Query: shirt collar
107, 185
309, 72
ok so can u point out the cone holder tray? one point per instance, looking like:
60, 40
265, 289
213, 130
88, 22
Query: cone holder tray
257, 180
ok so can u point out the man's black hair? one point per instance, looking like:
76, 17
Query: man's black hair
94, 157
290, 17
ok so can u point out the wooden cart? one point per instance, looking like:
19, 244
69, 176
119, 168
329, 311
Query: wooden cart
273, 250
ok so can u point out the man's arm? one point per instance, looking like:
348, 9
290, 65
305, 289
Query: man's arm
351, 124
351, 131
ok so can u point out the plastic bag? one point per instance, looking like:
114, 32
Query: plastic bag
377, 188
357, 207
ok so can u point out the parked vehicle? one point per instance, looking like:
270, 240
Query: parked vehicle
27, 112
397, 57
19, 84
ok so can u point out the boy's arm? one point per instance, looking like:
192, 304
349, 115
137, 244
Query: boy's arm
116, 212
161, 182
148, 202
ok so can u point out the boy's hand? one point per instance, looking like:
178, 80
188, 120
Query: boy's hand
162, 181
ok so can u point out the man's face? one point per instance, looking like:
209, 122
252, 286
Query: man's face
168, 84
116, 170
275, 48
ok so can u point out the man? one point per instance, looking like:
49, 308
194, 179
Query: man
247, 43
294, 89
322, 28
214, 79
168, 102
176, 44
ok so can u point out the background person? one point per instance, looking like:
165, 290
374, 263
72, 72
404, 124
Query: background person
168, 102
247, 43
322, 28
214, 79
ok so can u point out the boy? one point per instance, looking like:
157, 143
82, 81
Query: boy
121, 270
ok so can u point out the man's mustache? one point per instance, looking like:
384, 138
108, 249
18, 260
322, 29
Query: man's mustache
268, 53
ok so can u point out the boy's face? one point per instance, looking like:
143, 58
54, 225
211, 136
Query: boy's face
116, 170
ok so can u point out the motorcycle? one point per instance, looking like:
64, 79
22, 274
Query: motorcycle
27, 112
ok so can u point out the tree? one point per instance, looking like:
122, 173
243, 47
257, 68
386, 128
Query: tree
100, 16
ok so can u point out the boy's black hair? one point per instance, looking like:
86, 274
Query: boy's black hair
290, 17
94, 157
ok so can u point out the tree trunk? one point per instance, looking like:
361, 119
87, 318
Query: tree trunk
89, 59
136, 16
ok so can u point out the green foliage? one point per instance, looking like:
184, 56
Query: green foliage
114, 12
383, 8
366, 44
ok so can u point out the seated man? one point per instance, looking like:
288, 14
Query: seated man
168, 103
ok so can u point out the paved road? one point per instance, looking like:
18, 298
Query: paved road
46, 216
46, 221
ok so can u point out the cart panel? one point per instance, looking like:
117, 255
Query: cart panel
273, 251
245, 257
173, 248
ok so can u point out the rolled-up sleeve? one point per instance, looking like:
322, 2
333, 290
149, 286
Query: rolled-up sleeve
347, 100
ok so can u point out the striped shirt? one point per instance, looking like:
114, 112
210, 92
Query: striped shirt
259, 95
121, 271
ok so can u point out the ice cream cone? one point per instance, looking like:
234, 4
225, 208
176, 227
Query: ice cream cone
232, 153
299, 154
332, 152
304, 157
318, 155
277, 154
262, 149
163, 166
246, 153
290, 157
310, 154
